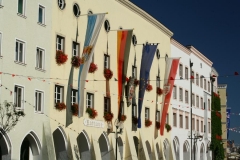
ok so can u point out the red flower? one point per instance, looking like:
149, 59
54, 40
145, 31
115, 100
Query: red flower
76, 61
149, 87
74, 108
60, 106
148, 122
159, 91
123, 118
92, 68
108, 74
61, 58
157, 125
127, 79
134, 120
108, 116
92, 112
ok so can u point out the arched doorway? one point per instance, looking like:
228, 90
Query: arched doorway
104, 146
120, 146
166, 149
202, 152
5, 146
186, 150
176, 147
149, 149
84, 145
136, 142
30, 147
196, 151
158, 152
60, 143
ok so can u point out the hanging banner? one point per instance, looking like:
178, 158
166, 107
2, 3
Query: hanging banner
68, 100
123, 47
228, 121
148, 53
93, 28
170, 74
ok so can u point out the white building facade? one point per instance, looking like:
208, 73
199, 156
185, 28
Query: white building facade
201, 103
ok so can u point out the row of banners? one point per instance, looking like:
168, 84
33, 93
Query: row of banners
123, 48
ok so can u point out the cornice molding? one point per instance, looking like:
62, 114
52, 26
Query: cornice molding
146, 16
200, 55
180, 46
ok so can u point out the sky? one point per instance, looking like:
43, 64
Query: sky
211, 26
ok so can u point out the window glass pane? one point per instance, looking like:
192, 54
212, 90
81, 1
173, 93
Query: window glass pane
40, 15
20, 6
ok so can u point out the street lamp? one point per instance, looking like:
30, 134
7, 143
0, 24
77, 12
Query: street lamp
119, 125
196, 136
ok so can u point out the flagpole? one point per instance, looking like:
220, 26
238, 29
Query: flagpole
121, 29
93, 14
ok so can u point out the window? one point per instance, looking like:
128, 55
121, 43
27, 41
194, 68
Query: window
0, 40
75, 49
209, 127
76, 10
180, 70
201, 126
201, 81
0, 3
193, 99
146, 113
180, 94
106, 61
193, 123
40, 58
60, 43
158, 116
174, 92
134, 110
74, 96
61, 4
21, 7
197, 125
158, 81
192, 77
19, 96
90, 100
167, 119
174, 119
106, 104
39, 96
134, 71
209, 105
107, 26
186, 96
186, 122
122, 107
197, 79
197, 101
205, 84
201, 103
186, 73
59, 94
204, 127
20, 51
208, 85
181, 121
41, 14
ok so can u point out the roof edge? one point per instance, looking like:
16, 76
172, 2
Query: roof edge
180, 46
146, 16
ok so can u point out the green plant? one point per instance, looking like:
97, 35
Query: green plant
168, 127
91, 112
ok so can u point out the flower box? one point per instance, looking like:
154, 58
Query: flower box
134, 120
60, 106
91, 112
108, 74
74, 109
92, 68
149, 87
168, 127
159, 91
108, 116
76, 61
123, 118
61, 57
148, 122
157, 125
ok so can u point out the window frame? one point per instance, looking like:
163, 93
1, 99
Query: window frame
186, 72
23, 51
43, 14
192, 74
61, 93
43, 58
197, 101
186, 96
174, 92
62, 43
181, 94
208, 87
197, 79
134, 71
201, 81
22, 96
186, 122
209, 103
201, 103
108, 105
209, 127
180, 70
193, 123
147, 112
77, 49
91, 100
41, 111
197, 125
74, 96
63, 5
174, 119
180, 121
193, 99
157, 116
23, 8
107, 58
201, 126
205, 84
